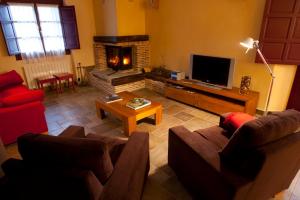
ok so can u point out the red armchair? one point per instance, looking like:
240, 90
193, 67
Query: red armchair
21, 109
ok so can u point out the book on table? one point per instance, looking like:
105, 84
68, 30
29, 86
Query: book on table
137, 103
112, 98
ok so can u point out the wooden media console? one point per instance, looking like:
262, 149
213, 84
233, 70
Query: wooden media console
211, 99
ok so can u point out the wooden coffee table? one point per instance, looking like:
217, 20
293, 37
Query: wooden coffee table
127, 115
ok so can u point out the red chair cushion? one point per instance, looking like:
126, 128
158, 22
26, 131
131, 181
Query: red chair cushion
236, 119
22, 98
9, 79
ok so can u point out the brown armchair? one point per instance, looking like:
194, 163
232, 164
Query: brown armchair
259, 160
78, 167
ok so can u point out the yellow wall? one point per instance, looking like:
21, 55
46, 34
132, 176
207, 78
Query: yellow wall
131, 17
119, 17
177, 29
284, 76
105, 17
86, 29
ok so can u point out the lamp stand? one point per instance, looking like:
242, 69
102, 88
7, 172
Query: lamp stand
272, 75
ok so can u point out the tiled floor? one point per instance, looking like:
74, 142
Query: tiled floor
78, 108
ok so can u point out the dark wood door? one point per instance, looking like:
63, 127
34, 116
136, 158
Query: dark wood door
280, 32
294, 100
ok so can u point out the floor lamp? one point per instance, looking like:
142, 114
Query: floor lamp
250, 43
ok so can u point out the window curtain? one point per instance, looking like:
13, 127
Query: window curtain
51, 30
26, 30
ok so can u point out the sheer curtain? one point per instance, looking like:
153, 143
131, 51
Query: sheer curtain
51, 29
26, 30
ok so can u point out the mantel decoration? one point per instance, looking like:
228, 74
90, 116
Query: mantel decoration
250, 43
245, 84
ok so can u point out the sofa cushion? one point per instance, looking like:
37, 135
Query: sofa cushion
236, 119
17, 89
22, 98
10, 78
44, 151
115, 145
215, 135
263, 130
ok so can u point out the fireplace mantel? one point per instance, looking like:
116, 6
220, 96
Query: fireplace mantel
121, 39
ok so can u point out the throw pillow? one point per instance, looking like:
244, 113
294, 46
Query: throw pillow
9, 79
235, 120
52, 152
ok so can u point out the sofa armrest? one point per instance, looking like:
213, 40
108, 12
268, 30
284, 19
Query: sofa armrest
222, 119
13, 167
73, 131
131, 170
17, 120
197, 164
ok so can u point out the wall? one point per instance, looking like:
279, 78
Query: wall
131, 17
214, 27
86, 29
119, 17
105, 17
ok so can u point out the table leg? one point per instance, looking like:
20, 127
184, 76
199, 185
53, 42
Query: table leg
61, 90
100, 111
158, 115
129, 125
73, 83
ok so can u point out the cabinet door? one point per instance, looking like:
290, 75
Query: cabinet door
280, 33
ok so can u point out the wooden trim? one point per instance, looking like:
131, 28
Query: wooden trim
57, 2
120, 39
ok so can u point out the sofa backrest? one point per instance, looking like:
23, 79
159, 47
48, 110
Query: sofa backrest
60, 153
244, 153
10, 78
263, 130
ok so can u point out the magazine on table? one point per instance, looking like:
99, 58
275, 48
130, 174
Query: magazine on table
137, 103
112, 98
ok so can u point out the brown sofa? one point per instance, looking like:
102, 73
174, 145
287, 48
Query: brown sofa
260, 159
78, 167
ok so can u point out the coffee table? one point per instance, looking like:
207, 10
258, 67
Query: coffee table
127, 115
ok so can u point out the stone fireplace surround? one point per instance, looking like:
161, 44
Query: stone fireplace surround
140, 44
103, 77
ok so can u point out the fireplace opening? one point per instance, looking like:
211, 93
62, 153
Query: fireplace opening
118, 57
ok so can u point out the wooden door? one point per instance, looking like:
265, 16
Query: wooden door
294, 100
280, 32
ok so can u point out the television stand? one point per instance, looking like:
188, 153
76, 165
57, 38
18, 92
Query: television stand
211, 99
208, 85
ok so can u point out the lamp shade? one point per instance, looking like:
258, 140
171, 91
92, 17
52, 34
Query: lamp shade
248, 43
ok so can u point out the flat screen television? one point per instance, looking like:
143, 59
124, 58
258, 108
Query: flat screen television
215, 71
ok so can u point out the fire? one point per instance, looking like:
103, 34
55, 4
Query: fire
126, 61
114, 60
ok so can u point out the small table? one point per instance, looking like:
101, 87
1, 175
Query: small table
68, 77
46, 79
127, 115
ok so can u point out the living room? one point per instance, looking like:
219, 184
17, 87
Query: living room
176, 30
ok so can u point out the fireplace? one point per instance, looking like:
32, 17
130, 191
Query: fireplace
119, 57
122, 52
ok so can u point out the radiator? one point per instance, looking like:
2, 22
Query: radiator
45, 67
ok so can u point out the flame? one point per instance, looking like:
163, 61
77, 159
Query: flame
114, 60
126, 61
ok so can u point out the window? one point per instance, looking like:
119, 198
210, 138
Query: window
35, 30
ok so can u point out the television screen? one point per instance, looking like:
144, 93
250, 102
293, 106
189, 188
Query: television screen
212, 70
